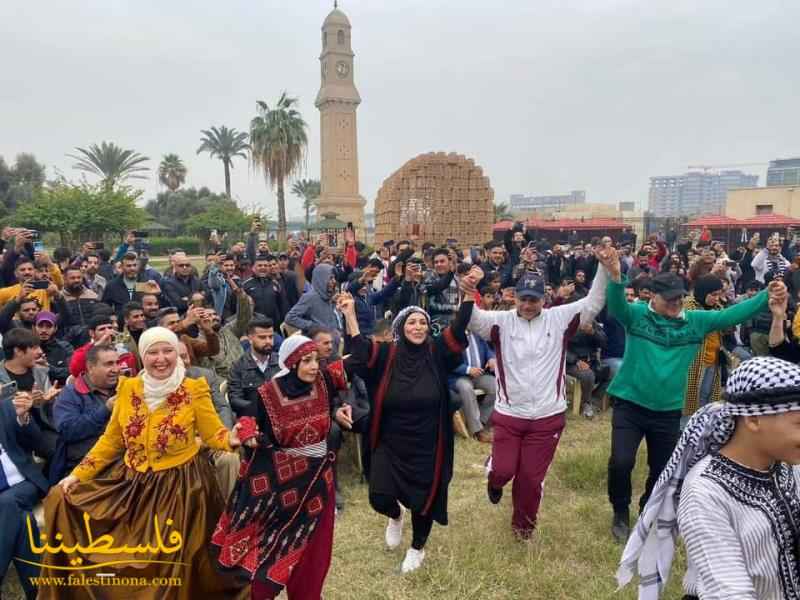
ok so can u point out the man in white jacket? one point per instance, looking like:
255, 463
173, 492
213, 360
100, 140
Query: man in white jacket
530, 344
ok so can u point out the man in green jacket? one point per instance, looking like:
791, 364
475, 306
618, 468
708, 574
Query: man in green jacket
661, 340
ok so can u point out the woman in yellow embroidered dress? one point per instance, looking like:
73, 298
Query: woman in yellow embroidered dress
162, 494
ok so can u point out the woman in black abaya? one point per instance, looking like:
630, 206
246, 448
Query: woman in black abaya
411, 430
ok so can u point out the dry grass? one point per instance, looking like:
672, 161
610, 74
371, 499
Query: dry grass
476, 556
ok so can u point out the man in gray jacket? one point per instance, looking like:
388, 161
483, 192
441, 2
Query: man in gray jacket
317, 307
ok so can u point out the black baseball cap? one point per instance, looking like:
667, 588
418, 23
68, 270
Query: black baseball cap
530, 286
669, 286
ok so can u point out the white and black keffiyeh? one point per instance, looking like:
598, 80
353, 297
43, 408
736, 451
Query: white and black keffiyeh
759, 386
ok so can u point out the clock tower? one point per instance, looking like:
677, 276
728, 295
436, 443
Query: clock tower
337, 102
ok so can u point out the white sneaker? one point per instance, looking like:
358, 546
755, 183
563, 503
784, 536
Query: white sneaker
413, 560
394, 530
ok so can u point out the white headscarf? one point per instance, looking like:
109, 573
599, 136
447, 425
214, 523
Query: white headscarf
292, 350
157, 390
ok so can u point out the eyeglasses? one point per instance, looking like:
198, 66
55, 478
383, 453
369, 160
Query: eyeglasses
185, 265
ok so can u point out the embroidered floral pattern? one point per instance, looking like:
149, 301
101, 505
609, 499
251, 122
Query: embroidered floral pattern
168, 427
88, 461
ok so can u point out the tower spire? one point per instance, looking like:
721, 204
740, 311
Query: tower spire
335, 4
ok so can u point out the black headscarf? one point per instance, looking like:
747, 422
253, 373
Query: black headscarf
705, 285
411, 358
292, 386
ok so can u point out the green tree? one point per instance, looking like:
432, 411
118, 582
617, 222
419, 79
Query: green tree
224, 144
172, 172
174, 208
308, 190
111, 163
19, 183
501, 212
278, 144
80, 211
224, 216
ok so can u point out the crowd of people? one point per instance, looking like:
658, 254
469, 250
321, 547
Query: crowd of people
214, 401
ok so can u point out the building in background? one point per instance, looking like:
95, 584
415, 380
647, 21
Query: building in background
695, 192
337, 102
529, 204
784, 172
751, 202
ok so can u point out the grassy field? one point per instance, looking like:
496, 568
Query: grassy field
476, 556
573, 556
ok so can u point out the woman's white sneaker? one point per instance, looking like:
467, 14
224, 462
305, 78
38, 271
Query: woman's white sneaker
413, 560
394, 530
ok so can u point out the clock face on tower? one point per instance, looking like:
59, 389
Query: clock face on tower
342, 69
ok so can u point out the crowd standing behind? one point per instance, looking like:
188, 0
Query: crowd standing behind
410, 343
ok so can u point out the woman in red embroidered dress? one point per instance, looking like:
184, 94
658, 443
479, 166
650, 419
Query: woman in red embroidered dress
162, 494
278, 528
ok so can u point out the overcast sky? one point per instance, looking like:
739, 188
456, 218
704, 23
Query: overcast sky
546, 96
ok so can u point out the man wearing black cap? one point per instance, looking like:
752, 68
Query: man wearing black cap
661, 342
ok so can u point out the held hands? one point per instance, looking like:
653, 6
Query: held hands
470, 281
344, 416
345, 304
475, 372
778, 298
609, 258
250, 433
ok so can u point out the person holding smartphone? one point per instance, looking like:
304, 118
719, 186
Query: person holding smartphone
21, 351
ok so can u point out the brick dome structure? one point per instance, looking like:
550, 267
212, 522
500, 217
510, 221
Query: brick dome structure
434, 197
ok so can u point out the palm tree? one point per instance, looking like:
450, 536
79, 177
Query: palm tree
278, 144
308, 190
110, 162
501, 212
224, 144
172, 172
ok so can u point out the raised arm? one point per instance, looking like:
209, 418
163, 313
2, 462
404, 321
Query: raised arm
715, 320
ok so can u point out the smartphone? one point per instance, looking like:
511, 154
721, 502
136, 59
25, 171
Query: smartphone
141, 234
8, 390
98, 245
34, 234
38, 246
40, 284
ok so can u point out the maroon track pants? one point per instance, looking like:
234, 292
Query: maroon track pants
523, 450
308, 576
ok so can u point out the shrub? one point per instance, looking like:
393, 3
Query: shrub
160, 246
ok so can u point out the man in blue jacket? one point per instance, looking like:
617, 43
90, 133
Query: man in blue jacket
83, 408
476, 373
22, 484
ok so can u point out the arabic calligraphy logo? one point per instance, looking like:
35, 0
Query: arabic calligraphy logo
104, 545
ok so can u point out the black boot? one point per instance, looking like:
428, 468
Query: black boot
494, 494
338, 498
620, 526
